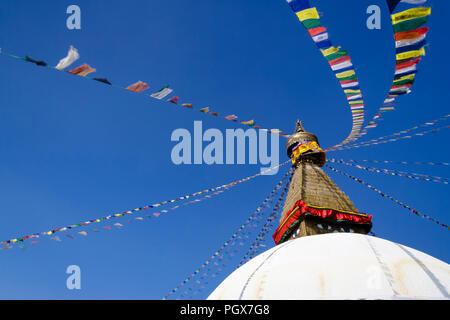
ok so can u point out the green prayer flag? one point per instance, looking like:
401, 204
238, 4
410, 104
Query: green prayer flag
311, 23
409, 25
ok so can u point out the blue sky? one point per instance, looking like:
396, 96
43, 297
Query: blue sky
73, 150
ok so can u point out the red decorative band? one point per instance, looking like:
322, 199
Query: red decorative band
301, 209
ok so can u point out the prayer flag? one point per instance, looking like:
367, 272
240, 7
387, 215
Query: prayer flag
410, 14
352, 91
104, 80
162, 93
354, 97
320, 37
315, 31
350, 84
405, 70
82, 70
410, 34
71, 57
38, 63
408, 25
410, 54
407, 63
343, 65
412, 47
310, 13
298, 5
187, 105
204, 110
250, 122
414, 1
339, 60
311, 23
408, 42
174, 99
345, 74
338, 54
138, 87
392, 4
330, 50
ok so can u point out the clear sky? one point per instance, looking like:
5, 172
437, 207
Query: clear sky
73, 150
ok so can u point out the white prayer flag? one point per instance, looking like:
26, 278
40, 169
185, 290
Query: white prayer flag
72, 56
320, 37
161, 94
350, 84
408, 42
405, 70
342, 65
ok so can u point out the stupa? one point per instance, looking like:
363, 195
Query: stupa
323, 250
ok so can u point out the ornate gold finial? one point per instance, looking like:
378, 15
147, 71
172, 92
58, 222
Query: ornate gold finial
303, 146
299, 127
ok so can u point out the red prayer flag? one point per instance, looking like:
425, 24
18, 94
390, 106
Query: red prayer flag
339, 60
174, 99
407, 63
410, 34
82, 70
138, 86
316, 31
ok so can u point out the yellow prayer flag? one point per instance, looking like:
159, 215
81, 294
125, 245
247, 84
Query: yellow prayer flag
410, 54
345, 74
408, 77
352, 91
330, 50
410, 14
310, 13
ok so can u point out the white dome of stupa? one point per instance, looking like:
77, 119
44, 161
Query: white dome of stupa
338, 266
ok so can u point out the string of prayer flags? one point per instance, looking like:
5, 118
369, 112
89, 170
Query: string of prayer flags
71, 57
266, 227
410, 41
138, 86
385, 195
82, 70
390, 172
393, 139
234, 245
155, 205
397, 135
118, 225
233, 237
215, 267
339, 61
395, 162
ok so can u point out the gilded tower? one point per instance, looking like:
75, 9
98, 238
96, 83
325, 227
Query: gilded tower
315, 204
